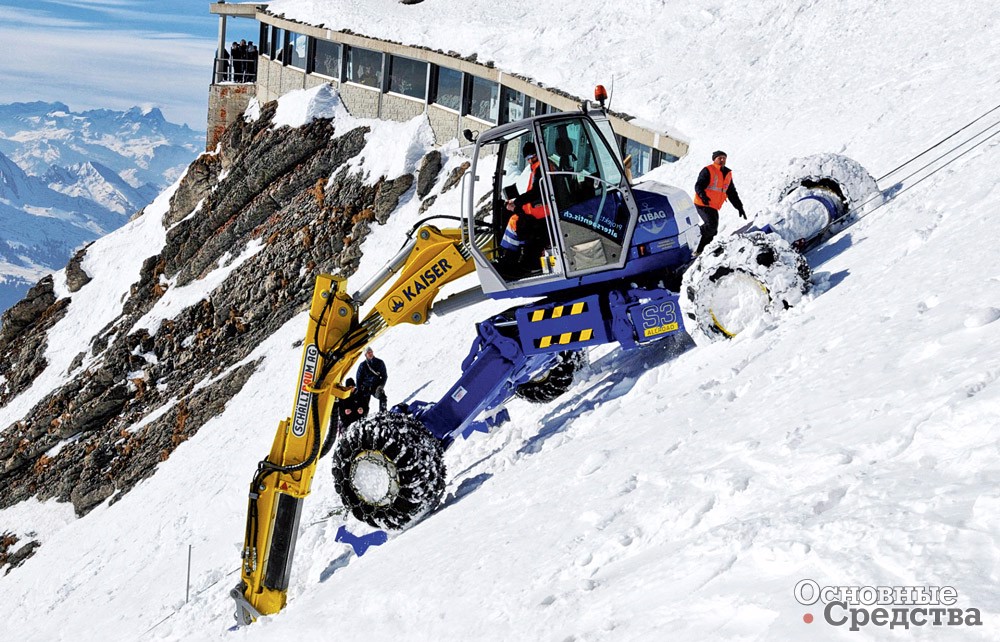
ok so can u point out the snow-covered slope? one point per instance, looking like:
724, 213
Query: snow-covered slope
667, 496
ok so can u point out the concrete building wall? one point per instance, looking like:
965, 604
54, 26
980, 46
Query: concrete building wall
268, 79
444, 123
291, 80
274, 80
226, 103
316, 81
360, 101
395, 107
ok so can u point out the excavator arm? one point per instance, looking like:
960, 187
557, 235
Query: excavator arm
334, 339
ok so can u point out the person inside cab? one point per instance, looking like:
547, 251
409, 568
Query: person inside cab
526, 237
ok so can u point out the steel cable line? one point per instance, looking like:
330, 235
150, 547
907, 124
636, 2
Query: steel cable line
854, 215
940, 142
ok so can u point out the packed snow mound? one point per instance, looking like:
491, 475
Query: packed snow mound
302, 106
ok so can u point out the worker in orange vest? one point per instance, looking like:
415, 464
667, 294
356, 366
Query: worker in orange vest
713, 187
526, 233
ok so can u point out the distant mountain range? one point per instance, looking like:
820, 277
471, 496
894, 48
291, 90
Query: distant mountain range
67, 178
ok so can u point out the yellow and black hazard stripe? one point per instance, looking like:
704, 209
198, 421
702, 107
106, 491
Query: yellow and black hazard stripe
559, 311
565, 338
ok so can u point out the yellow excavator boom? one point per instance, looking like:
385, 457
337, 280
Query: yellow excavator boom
334, 340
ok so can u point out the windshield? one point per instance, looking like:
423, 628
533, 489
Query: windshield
586, 186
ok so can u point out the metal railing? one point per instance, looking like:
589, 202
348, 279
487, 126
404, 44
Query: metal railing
234, 70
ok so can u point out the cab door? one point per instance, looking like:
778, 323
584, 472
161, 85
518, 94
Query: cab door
589, 208
590, 197
500, 175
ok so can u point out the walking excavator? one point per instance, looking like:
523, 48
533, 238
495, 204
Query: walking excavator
611, 263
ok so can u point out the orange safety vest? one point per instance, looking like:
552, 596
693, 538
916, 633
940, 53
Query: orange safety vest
716, 190
541, 210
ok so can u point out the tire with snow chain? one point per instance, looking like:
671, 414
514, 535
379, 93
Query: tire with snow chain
794, 211
738, 280
842, 175
388, 470
556, 381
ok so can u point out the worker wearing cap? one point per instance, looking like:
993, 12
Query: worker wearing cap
713, 187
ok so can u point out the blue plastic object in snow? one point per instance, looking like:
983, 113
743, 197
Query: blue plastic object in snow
361, 543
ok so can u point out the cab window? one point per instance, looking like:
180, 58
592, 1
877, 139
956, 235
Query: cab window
587, 185
513, 211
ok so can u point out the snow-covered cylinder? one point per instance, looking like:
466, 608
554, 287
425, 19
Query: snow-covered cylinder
805, 213
815, 192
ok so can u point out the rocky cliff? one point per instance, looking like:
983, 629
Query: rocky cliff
285, 195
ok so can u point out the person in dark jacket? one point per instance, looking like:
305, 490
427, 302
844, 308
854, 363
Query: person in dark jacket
222, 66
245, 72
348, 410
251, 54
713, 187
237, 54
371, 377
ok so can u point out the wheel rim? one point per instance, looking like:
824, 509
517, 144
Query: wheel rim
737, 300
374, 478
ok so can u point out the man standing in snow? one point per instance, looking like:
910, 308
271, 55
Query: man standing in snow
371, 378
713, 187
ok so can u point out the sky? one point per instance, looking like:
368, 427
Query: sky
112, 54
853, 442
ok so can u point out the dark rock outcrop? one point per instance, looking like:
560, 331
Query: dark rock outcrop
12, 557
455, 177
427, 175
23, 338
275, 219
201, 175
76, 277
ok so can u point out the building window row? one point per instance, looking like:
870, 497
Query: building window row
463, 93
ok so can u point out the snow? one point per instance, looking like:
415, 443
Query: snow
305, 105
113, 264
852, 441
384, 152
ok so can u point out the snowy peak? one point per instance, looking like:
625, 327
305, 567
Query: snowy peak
26, 111
98, 183
139, 141
14, 183
67, 178
147, 114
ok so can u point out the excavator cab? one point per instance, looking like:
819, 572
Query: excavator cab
584, 209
